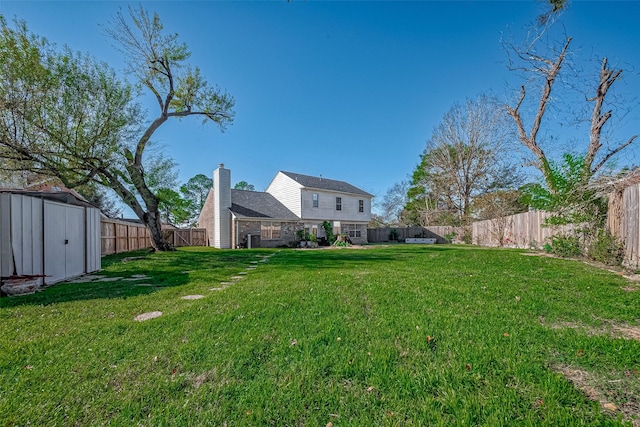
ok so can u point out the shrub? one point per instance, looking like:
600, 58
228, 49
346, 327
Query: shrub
564, 246
606, 248
328, 230
450, 236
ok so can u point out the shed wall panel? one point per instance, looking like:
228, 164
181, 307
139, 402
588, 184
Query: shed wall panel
27, 234
55, 234
74, 242
6, 253
93, 240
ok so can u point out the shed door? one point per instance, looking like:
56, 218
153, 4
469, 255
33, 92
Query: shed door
63, 241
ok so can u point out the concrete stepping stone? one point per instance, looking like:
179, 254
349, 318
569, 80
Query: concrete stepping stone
86, 278
192, 297
145, 284
218, 289
236, 278
109, 279
146, 316
243, 273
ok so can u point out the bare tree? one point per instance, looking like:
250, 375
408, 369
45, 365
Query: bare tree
393, 203
547, 68
465, 159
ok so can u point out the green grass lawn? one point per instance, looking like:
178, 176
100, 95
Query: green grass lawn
399, 335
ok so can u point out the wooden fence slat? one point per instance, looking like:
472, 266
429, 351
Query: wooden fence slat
121, 236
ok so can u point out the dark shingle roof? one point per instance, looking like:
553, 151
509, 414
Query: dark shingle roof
254, 204
325, 184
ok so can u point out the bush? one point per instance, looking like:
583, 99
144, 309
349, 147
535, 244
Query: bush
564, 246
607, 249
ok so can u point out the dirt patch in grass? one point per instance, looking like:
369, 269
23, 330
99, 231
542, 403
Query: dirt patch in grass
617, 392
614, 330
609, 328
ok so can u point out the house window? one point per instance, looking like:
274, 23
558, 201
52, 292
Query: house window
315, 200
338, 203
360, 205
353, 230
270, 230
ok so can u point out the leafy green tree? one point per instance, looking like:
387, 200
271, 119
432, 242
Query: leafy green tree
197, 189
244, 185
174, 209
66, 115
195, 192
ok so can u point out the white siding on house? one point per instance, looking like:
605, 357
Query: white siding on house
326, 209
287, 191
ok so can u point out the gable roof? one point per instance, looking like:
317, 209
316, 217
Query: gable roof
255, 204
325, 184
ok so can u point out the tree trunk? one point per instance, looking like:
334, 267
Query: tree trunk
152, 221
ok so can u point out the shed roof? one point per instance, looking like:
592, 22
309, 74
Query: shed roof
64, 195
255, 204
320, 183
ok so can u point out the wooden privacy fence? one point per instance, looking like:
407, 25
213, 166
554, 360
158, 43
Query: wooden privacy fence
523, 230
624, 222
186, 236
122, 236
384, 234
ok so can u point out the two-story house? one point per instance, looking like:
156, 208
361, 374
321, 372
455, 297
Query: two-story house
291, 202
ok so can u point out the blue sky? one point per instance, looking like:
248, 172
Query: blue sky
346, 90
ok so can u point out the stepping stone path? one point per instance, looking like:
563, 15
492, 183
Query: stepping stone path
151, 315
87, 278
137, 277
192, 297
146, 316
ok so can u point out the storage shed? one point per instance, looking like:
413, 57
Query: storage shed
54, 235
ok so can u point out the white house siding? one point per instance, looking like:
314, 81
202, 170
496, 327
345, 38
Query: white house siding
287, 191
326, 209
